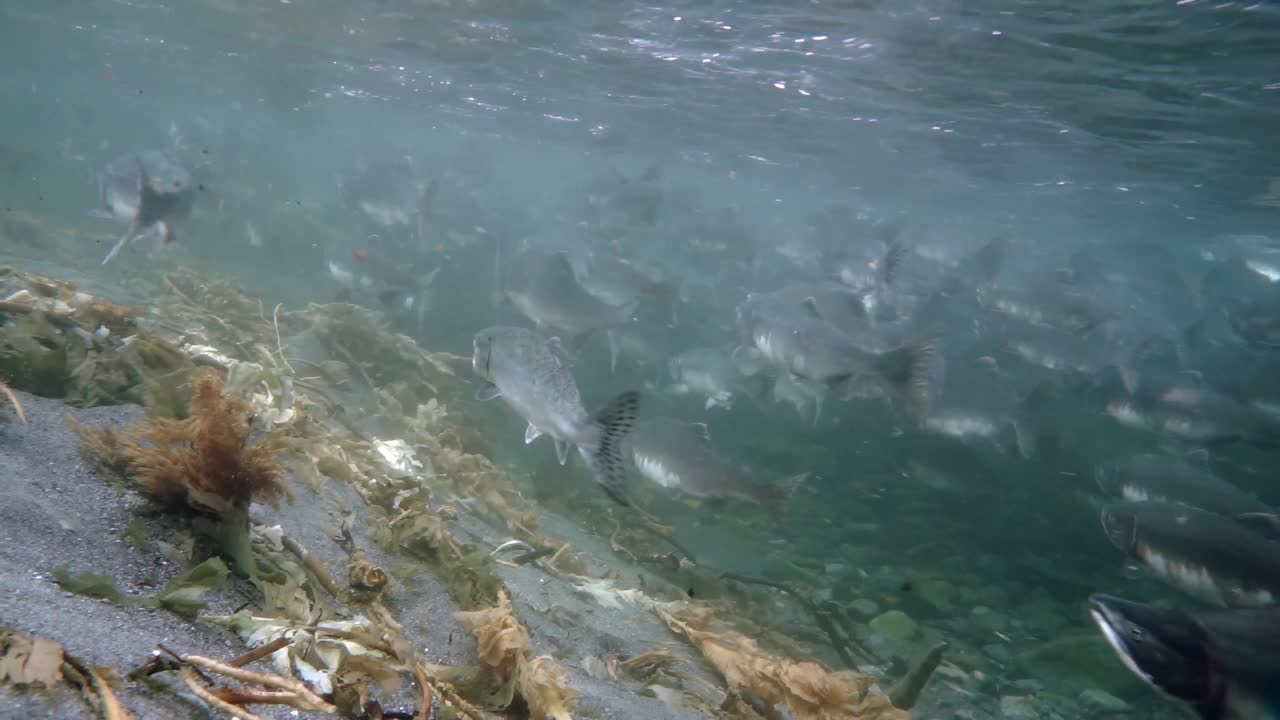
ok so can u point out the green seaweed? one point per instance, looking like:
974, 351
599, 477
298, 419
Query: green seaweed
182, 594
89, 585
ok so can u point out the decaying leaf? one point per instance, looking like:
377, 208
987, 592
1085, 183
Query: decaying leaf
503, 644
500, 638
43, 663
545, 688
24, 661
809, 691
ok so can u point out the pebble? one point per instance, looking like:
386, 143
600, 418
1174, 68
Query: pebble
1103, 702
894, 625
865, 607
1018, 707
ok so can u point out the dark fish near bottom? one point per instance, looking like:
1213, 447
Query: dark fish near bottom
151, 191
1225, 664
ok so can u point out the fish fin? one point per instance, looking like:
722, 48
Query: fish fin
1025, 427
426, 280
532, 433
1269, 521
612, 337
557, 350
115, 249
562, 451
891, 261
909, 371
1199, 457
488, 392
748, 359
817, 409
605, 455
702, 431
758, 388
101, 214
788, 486
1025, 438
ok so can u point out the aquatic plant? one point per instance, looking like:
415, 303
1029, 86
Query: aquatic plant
203, 464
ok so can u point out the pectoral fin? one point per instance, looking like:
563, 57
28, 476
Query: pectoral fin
488, 392
531, 433
562, 451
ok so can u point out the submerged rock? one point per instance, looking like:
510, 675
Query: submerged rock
1103, 702
1018, 707
939, 593
894, 625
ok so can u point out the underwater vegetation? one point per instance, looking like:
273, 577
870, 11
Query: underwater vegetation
241, 402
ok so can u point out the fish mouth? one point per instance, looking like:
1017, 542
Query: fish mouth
1166, 648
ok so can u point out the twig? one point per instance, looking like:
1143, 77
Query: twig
17, 405
424, 712
169, 283
312, 564
260, 652
254, 696
308, 700
275, 321
202, 692
352, 361
109, 706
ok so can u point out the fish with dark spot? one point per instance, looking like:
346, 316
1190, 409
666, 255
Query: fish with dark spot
530, 377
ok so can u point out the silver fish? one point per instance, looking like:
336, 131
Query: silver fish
526, 373
544, 289
810, 348
678, 455
705, 371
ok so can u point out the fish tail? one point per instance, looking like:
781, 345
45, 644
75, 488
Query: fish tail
604, 453
909, 371
115, 249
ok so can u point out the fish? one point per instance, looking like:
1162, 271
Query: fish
389, 193
1172, 479
679, 456
1224, 664
1199, 552
150, 191
1183, 406
806, 347
805, 396
1048, 300
524, 370
709, 372
544, 289
389, 283
980, 405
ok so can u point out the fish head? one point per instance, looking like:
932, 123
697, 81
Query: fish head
1120, 523
1166, 648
